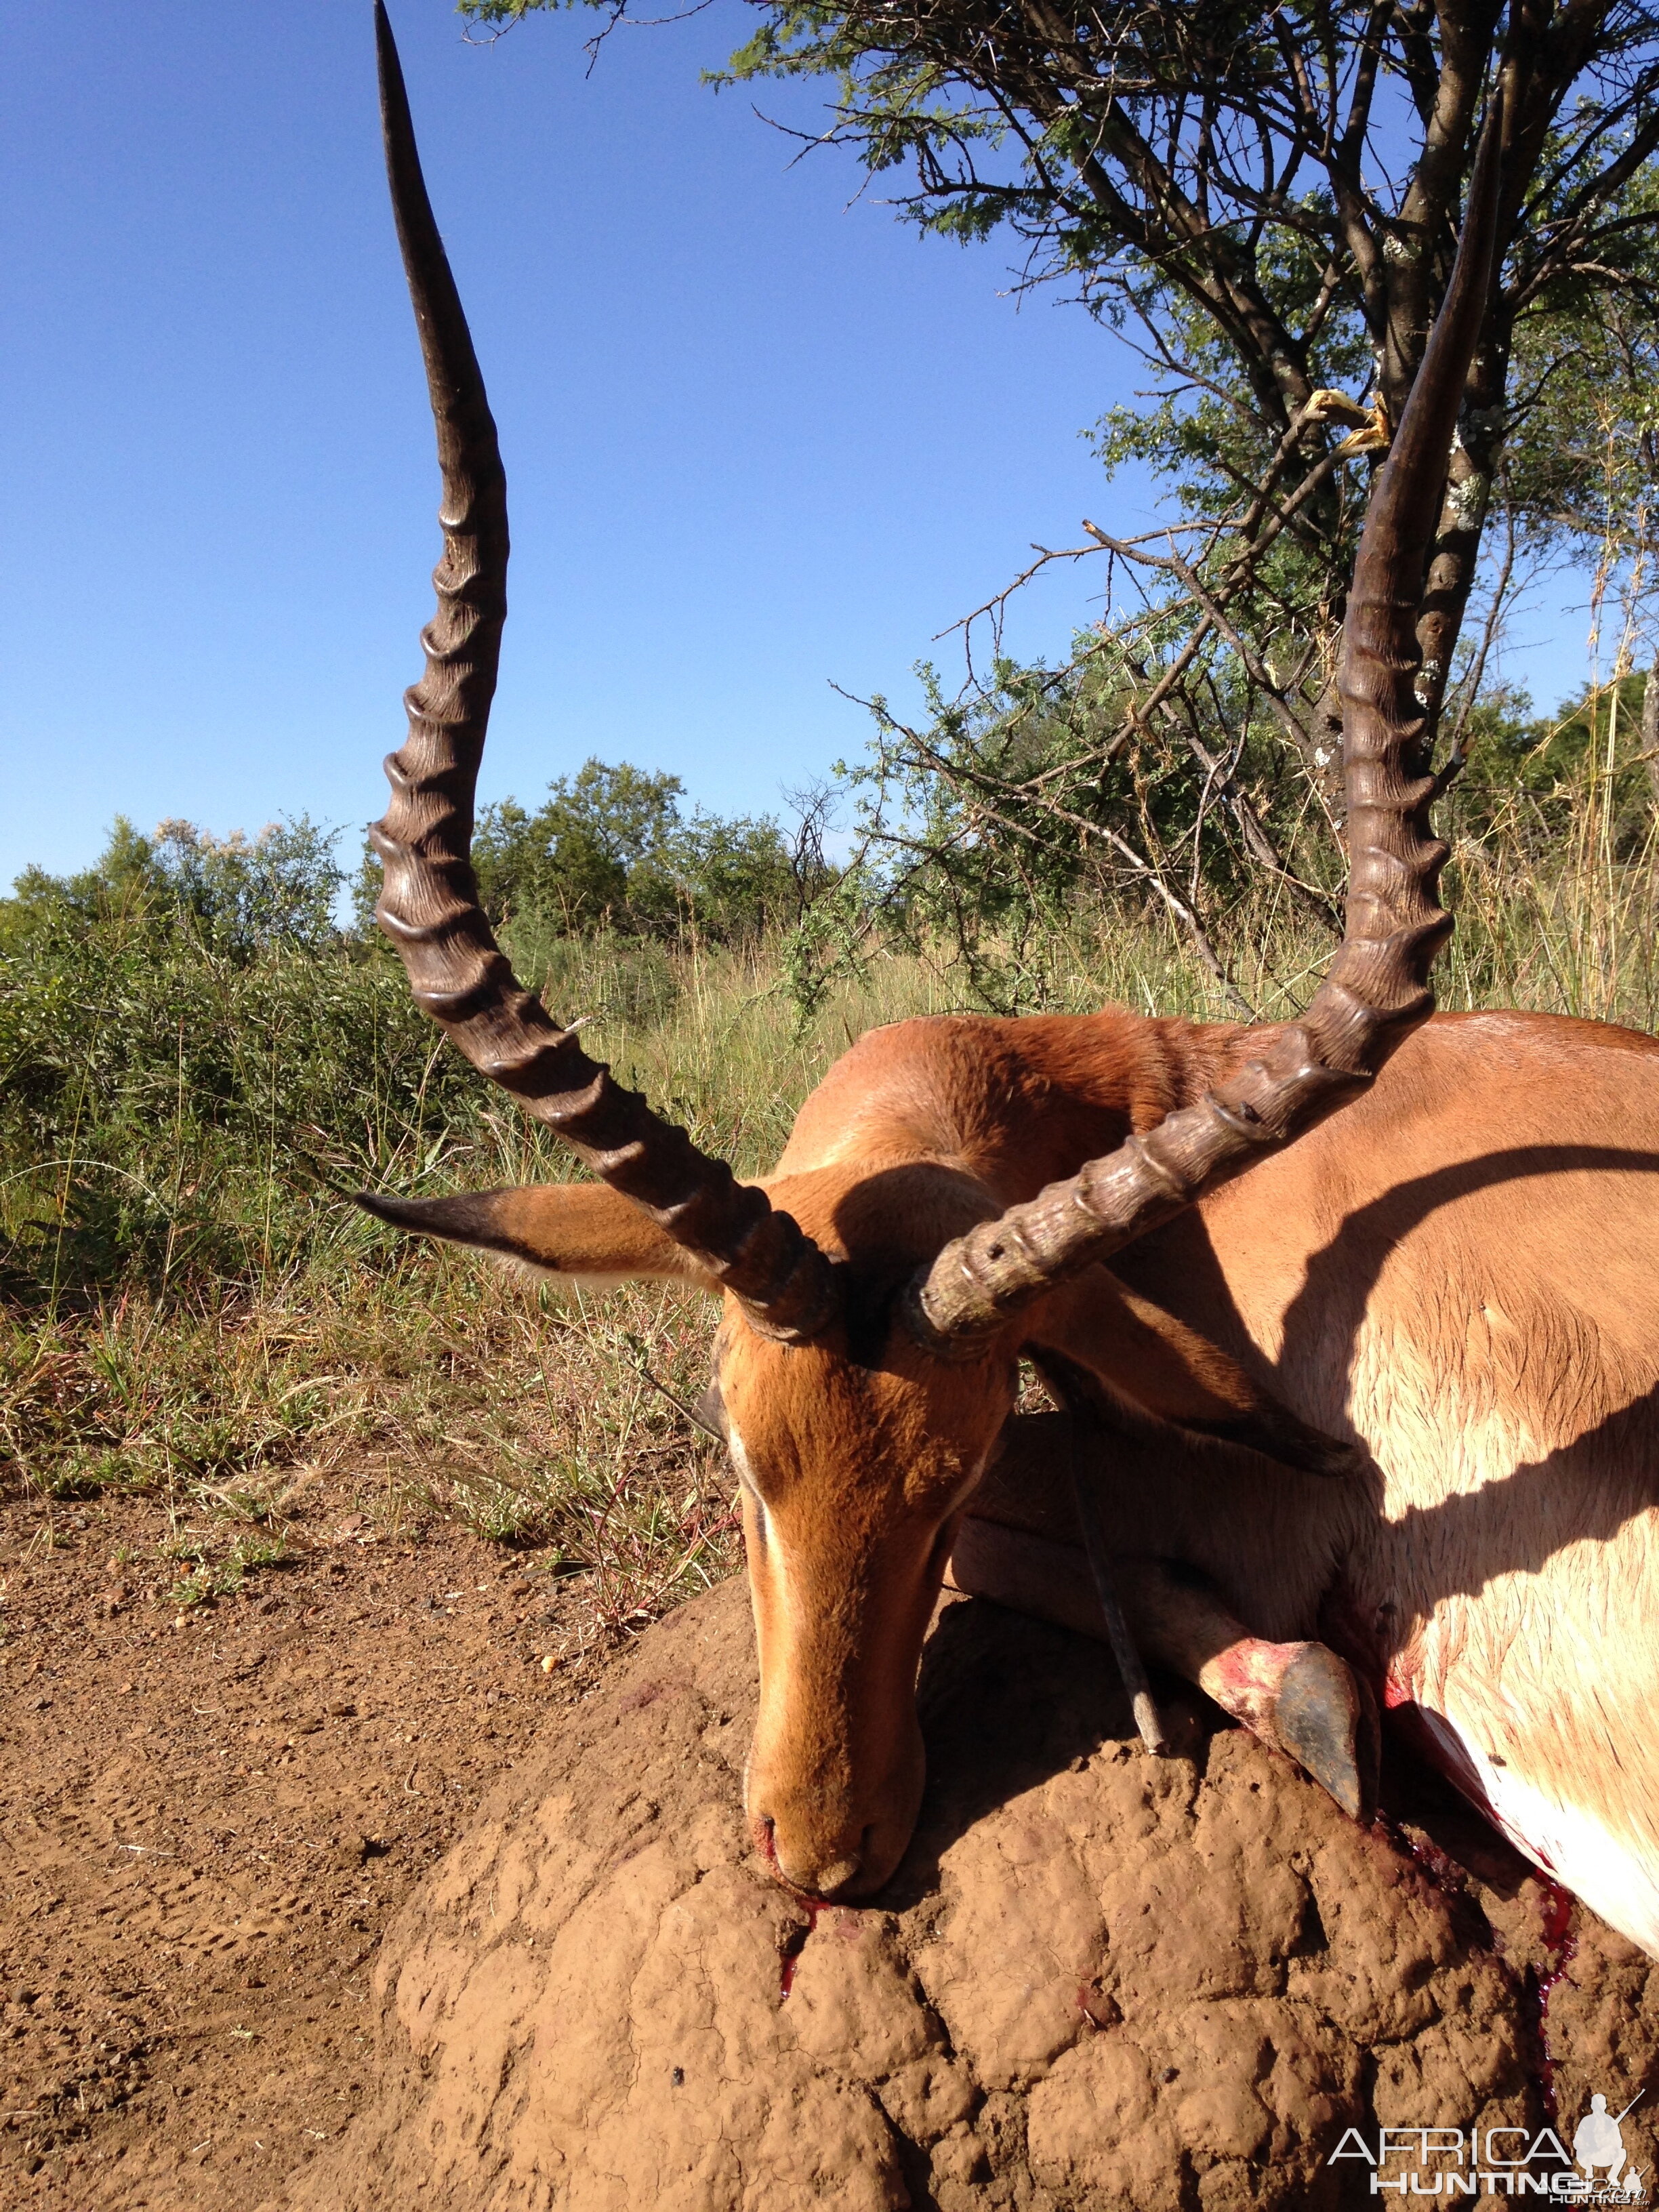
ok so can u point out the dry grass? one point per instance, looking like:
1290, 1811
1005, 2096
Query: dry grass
432, 1385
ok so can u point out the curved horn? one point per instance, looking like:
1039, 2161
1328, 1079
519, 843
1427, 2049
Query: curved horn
1376, 990
430, 903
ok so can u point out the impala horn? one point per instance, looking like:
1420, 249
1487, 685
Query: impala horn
1376, 991
429, 906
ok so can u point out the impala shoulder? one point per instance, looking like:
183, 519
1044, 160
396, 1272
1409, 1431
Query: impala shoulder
1533, 1038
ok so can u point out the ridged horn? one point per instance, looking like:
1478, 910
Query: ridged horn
1376, 990
429, 905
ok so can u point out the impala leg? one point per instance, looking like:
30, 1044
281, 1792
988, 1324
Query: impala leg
1019, 1544
1300, 1697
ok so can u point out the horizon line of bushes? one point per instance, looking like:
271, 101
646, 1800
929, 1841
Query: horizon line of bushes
609, 849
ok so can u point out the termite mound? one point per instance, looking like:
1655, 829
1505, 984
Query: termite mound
1099, 1981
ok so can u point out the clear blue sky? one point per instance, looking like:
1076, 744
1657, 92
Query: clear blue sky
757, 438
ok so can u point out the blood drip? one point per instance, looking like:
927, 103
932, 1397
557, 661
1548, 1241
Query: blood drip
1439, 1871
1561, 1946
795, 1943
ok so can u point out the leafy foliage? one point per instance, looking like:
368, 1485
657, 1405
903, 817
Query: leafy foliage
237, 896
985, 826
1599, 743
155, 1092
195, 1056
1266, 200
610, 848
1265, 204
987, 829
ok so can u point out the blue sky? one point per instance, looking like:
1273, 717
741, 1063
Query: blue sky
759, 439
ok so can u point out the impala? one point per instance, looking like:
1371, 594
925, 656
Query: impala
1390, 1384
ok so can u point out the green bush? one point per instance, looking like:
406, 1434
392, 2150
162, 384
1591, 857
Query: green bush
609, 848
236, 897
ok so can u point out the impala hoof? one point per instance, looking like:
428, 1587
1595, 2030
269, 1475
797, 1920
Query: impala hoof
1317, 1720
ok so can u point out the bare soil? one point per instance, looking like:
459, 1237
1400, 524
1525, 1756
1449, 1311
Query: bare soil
208, 1818
211, 1818
1098, 1982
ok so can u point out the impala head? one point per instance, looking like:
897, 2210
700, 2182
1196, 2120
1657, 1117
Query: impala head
855, 1455
856, 1448
874, 1316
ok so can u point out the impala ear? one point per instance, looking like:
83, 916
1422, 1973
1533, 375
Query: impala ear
578, 1232
1147, 1359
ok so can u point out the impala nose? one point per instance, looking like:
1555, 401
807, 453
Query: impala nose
829, 1873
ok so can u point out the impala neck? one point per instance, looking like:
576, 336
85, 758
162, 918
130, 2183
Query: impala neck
1100, 1077
1018, 1105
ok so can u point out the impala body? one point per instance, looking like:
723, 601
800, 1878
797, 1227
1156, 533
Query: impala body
1378, 1306
1455, 1275
1459, 1273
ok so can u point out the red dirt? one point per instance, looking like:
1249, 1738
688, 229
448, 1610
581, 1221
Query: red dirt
205, 1827
1098, 1983
208, 1830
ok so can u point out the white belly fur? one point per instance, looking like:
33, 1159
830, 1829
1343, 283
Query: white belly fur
1567, 1844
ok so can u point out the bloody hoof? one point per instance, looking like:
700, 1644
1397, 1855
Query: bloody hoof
1305, 1702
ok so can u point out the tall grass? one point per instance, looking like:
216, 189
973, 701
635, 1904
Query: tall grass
1558, 909
191, 1307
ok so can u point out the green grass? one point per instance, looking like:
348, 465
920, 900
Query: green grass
192, 1309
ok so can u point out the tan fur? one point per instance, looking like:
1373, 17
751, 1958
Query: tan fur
1454, 1279
585, 1231
573, 1232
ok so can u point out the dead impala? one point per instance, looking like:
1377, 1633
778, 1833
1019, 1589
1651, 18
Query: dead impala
1393, 1385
